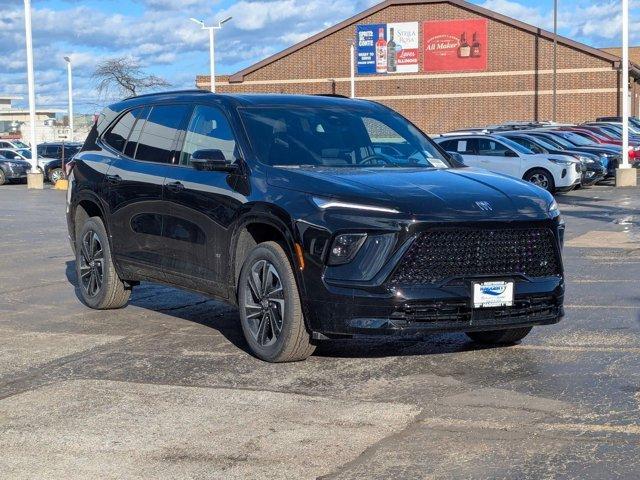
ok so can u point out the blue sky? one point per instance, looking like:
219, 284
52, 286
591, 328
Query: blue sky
159, 35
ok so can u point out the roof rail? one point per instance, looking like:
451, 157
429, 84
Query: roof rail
191, 90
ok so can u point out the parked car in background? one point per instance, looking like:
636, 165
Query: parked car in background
286, 206
12, 169
592, 165
635, 121
53, 168
23, 154
5, 143
610, 155
554, 173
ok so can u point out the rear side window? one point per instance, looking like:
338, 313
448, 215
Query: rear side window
158, 135
462, 145
116, 137
208, 130
141, 115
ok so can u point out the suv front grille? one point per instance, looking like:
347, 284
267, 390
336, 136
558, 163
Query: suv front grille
437, 255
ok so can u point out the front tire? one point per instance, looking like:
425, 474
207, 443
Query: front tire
3, 177
542, 178
270, 308
99, 284
55, 175
499, 337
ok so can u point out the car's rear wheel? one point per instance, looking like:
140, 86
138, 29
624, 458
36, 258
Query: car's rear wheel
541, 178
55, 175
500, 337
99, 284
270, 308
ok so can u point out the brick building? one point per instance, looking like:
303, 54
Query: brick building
440, 86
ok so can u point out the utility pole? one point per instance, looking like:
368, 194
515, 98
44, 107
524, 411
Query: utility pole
625, 175
211, 47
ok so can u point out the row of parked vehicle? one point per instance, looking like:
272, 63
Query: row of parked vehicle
15, 159
557, 157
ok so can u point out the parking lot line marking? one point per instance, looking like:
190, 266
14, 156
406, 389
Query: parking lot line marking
601, 281
584, 348
615, 307
632, 429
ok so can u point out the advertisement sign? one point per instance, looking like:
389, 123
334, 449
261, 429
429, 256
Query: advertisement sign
387, 48
455, 45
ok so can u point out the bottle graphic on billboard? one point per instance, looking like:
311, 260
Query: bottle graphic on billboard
392, 60
381, 52
464, 50
475, 46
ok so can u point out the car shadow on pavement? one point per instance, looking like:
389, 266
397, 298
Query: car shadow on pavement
223, 318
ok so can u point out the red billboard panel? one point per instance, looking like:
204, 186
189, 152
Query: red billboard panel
454, 45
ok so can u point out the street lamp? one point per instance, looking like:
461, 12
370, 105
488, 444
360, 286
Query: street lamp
70, 85
31, 87
211, 46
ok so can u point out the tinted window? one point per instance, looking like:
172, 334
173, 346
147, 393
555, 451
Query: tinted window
338, 137
525, 142
157, 140
208, 130
492, 148
117, 135
464, 146
132, 144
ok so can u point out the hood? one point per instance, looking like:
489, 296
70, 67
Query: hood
449, 194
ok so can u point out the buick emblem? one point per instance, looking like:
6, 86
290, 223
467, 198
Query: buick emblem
486, 206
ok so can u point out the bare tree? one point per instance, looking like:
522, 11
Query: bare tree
125, 77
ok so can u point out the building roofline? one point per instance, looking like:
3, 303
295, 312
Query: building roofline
238, 77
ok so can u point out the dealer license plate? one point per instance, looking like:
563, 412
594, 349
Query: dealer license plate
492, 294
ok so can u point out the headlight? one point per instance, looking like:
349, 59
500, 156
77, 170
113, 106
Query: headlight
564, 163
324, 203
345, 247
553, 209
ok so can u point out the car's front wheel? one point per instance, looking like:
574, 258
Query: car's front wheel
541, 178
500, 337
55, 175
99, 284
270, 308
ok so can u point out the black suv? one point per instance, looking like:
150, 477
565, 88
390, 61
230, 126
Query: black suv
319, 217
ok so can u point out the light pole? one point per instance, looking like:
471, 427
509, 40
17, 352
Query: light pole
352, 78
555, 60
31, 87
70, 85
625, 84
211, 46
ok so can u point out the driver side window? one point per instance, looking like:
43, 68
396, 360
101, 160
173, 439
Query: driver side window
208, 130
492, 148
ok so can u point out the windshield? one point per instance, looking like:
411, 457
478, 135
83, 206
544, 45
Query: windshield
294, 137
20, 144
544, 143
575, 139
26, 153
516, 146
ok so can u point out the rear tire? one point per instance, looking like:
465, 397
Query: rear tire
541, 178
99, 284
270, 309
499, 337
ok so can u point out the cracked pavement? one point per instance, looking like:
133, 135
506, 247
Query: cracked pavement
165, 388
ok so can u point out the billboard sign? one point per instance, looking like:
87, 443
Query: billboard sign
387, 48
454, 45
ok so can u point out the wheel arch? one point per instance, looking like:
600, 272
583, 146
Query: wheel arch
261, 223
543, 169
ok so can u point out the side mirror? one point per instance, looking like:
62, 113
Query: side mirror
17, 157
456, 157
211, 160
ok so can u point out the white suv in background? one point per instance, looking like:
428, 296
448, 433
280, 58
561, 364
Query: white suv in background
555, 173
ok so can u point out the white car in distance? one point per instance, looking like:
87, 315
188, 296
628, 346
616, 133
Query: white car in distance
555, 173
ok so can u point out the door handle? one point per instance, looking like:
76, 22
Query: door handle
175, 187
113, 179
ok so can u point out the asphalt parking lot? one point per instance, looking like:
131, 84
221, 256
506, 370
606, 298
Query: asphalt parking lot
165, 388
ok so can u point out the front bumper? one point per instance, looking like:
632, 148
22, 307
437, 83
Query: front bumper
16, 172
380, 306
